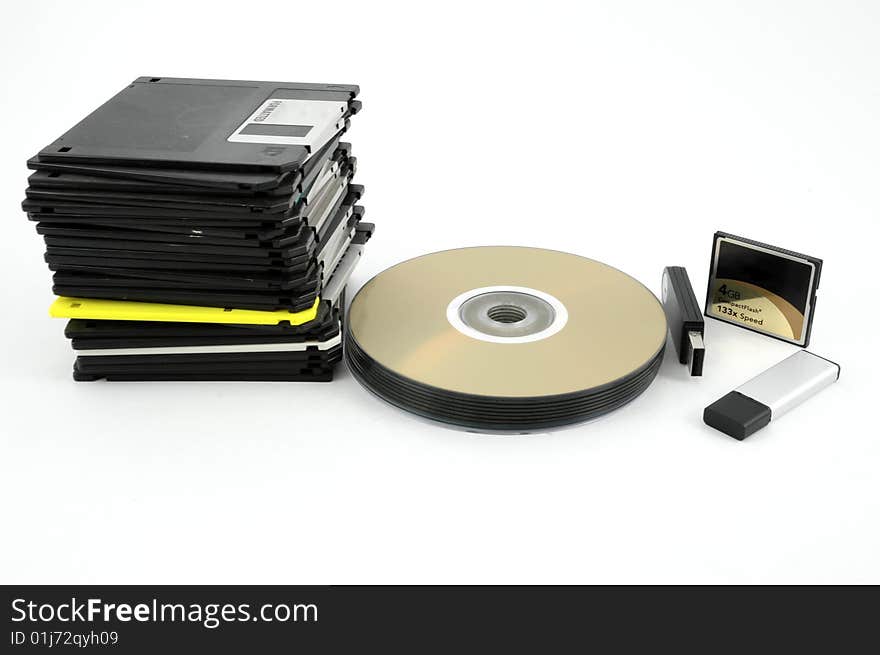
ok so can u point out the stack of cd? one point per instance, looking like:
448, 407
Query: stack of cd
203, 229
506, 339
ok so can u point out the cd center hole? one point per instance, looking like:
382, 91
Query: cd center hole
507, 313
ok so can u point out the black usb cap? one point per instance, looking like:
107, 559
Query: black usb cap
685, 318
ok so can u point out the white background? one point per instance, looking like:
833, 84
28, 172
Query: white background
626, 132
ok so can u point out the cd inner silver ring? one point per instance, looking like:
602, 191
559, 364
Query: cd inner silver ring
506, 314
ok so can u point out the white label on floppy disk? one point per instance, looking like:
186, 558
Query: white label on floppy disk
292, 122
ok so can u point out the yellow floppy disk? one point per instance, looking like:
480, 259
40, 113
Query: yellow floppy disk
124, 310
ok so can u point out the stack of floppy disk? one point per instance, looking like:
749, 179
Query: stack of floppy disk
203, 230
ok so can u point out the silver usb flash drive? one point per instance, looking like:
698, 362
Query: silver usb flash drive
780, 388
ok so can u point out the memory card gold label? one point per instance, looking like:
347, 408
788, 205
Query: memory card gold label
755, 308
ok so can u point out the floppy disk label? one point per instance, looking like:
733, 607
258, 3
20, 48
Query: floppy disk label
290, 122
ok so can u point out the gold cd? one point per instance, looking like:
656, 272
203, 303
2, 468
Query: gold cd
505, 323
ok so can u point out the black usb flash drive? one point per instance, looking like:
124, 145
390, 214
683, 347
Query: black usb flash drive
685, 318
